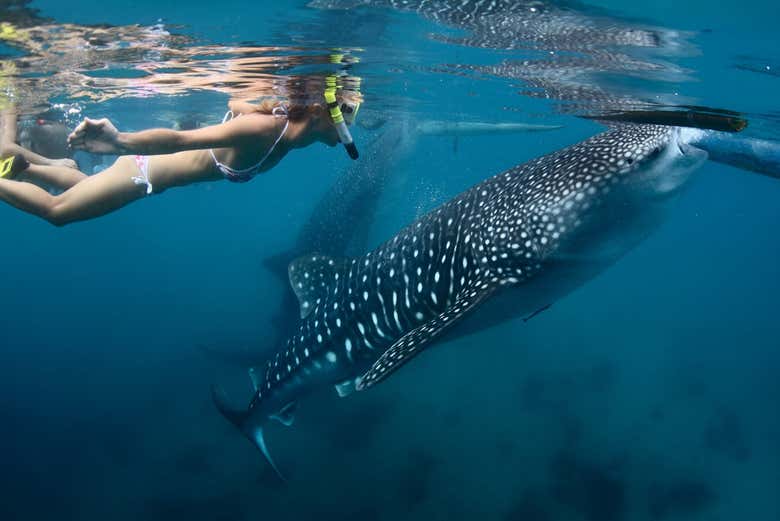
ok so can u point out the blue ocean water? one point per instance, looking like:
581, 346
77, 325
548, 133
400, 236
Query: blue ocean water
648, 393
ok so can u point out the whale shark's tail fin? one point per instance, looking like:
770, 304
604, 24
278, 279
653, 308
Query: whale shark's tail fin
247, 423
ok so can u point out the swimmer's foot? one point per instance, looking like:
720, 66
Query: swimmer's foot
10, 167
66, 162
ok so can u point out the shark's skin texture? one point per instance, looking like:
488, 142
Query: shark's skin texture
505, 248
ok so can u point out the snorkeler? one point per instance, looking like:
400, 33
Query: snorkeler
16, 159
251, 140
46, 134
43, 143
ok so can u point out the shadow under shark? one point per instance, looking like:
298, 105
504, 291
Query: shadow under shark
505, 248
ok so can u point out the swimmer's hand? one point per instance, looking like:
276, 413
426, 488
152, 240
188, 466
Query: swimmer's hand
98, 136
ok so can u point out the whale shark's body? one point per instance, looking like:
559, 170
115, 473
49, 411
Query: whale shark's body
341, 220
507, 247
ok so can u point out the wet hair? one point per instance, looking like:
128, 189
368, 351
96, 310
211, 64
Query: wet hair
304, 96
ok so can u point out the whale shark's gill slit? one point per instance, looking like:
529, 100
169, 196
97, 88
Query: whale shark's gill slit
382, 304
453, 262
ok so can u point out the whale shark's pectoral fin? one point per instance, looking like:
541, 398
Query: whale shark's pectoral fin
287, 415
418, 339
345, 388
311, 276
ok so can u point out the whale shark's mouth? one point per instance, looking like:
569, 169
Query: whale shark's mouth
675, 170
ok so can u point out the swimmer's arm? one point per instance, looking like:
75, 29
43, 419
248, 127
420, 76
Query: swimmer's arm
100, 136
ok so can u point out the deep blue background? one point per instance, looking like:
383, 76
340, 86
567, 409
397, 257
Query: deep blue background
656, 380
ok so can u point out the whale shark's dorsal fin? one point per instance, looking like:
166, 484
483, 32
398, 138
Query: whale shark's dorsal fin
418, 339
311, 276
277, 263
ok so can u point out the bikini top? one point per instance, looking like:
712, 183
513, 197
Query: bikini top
246, 174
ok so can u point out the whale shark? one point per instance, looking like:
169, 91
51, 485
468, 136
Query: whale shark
506, 248
354, 198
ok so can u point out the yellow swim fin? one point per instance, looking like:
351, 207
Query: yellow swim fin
10, 166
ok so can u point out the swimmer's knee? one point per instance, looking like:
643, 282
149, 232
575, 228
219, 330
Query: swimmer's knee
56, 218
57, 213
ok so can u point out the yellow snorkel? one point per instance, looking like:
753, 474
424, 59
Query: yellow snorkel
338, 117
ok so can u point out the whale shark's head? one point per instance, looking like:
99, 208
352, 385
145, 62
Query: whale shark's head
659, 158
602, 196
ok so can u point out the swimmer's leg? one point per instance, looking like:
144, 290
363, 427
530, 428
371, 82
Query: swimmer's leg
96, 195
9, 148
57, 176
8, 122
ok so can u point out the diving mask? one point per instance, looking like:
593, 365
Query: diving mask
349, 110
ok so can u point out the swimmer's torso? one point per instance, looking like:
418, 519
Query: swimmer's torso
194, 166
